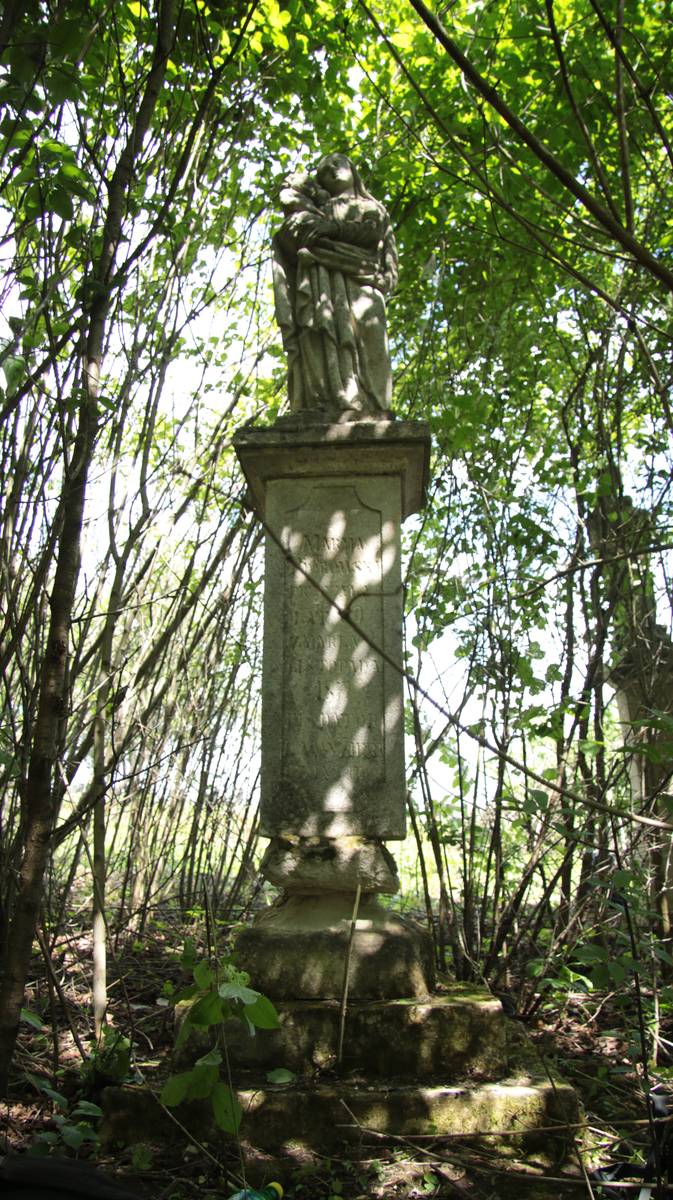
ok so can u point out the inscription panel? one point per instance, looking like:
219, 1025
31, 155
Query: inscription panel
332, 707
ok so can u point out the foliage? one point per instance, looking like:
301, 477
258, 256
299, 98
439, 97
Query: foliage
111, 1060
218, 994
74, 1127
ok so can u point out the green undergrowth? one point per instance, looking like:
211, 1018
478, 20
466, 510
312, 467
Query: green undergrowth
57, 1098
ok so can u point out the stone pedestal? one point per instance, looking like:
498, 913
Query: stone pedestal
456, 1034
332, 497
299, 949
451, 1065
399, 1058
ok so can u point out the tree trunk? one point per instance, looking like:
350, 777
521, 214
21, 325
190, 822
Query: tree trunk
39, 796
39, 793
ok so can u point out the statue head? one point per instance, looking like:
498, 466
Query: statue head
336, 173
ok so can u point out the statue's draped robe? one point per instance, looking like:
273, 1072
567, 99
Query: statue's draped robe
331, 309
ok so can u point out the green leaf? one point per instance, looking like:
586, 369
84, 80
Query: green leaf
617, 970
67, 35
201, 1082
88, 1134
86, 1108
61, 202
589, 954
14, 368
262, 1013
204, 975
600, 975
142, 1157
207, 1011
212, 1059
622, 878
226, 1108
175, 1089
47, 1138
237, 991
55, 1097
280, 1075
72, 1135
63, 83
31, 1018
590, 747
74, 180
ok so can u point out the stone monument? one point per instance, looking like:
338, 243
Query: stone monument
366, 1040
332, 482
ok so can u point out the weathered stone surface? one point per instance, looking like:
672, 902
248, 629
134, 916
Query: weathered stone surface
297, 950
460, 1035
329, 865
332, 706
314, 1115
529, 1110
334, 261
306, 446
333, 497
133, 1114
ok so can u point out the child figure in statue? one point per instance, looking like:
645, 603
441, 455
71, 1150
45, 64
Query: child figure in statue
334, 263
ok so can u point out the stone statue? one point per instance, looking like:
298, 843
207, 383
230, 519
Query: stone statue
334, 262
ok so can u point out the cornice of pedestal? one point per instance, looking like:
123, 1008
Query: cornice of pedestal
305, 445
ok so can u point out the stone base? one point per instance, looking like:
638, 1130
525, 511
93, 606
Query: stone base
524, 1113
460, 1035
335, 1117
311, 865
298, 948
406, 451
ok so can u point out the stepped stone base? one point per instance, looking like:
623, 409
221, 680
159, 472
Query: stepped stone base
328, 1117
525, 1112
456, 1036
298, 948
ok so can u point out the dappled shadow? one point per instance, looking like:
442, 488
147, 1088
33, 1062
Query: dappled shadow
332, 498
332, 727
331, 1115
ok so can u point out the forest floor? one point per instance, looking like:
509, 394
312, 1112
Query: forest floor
592, 1041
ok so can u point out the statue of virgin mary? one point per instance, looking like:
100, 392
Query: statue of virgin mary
335, 261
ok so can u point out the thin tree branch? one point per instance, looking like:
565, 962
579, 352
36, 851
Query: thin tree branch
613, 227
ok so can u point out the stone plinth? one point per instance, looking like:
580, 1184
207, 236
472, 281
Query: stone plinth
298, 948
535, 1111
316, 1115
454, 1036
332, 498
